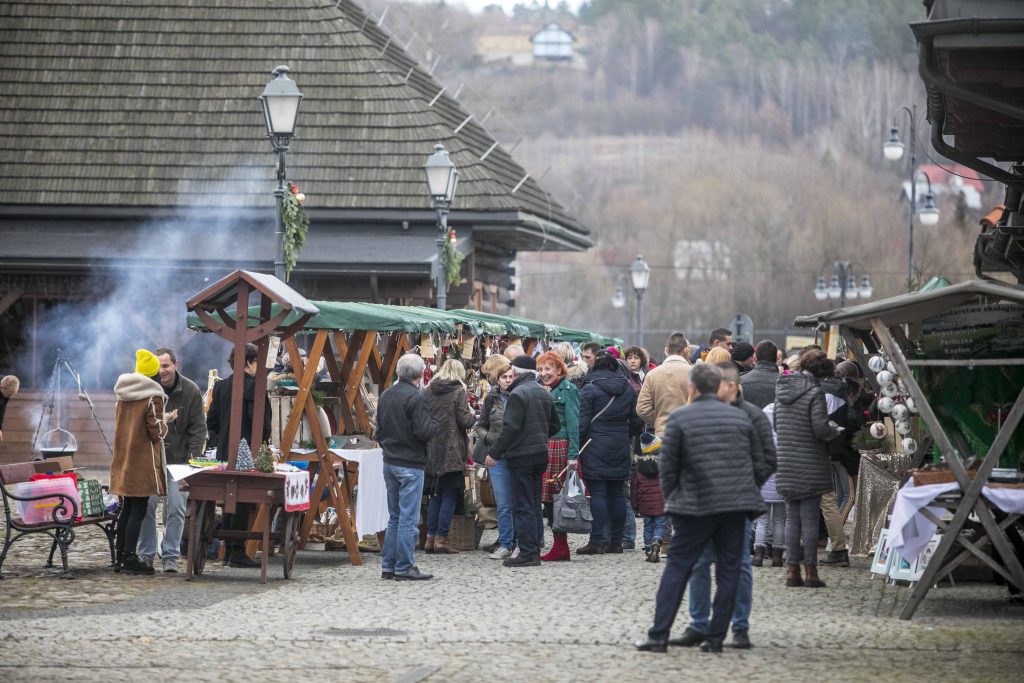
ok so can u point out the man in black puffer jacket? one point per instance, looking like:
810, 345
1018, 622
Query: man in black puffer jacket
708, 458
529, 420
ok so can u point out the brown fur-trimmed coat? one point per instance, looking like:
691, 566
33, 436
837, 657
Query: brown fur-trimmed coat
138, 466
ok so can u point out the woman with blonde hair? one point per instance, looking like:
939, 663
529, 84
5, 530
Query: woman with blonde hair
576, 372
447, 452
563, 447
719, 354
498, 371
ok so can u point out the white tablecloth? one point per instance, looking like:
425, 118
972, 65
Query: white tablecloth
372, 496
910, 531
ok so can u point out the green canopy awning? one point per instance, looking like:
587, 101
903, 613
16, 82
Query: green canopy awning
568, 334
529, 328
350, 316
472, 324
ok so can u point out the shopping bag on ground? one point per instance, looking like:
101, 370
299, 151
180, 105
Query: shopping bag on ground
571, 508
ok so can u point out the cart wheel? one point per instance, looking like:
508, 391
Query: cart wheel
202, 527
290, 542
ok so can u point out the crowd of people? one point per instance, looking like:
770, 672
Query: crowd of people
731, 455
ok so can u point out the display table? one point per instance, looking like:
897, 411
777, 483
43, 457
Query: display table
371, 499
231, 487
919, 509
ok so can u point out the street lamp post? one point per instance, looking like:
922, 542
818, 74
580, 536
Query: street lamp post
843, 284
893, 151
619, 302
442, 179
640, 274
280, 101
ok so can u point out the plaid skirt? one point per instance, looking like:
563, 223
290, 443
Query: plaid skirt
558, 458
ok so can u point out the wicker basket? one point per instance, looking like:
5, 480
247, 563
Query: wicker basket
486, 492
464, 533
928, 477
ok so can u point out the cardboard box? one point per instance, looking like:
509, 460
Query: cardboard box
62, 463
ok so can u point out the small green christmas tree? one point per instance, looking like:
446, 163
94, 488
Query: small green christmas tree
265, 459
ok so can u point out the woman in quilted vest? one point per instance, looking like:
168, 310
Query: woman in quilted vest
448, 452
137, 469
563, 447
805, 465
498, 371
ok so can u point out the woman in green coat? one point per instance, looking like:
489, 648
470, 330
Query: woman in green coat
563, 447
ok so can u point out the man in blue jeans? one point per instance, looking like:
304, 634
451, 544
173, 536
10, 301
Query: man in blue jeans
700, 579
709, 467
403, 429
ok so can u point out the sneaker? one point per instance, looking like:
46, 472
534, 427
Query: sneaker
133, 565
148, 561
515, 553
171, 565
654, 554
500, 554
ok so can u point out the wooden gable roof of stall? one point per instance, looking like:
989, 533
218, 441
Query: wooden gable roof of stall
139, 105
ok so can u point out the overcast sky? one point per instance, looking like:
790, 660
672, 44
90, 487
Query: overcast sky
477, 5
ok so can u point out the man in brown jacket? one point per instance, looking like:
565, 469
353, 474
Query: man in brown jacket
137, 469
666, 387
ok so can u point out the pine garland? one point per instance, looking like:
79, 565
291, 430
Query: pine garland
296, 225
452, 260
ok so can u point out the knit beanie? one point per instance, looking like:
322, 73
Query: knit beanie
742, 351
649, 443
146, 363
524, 362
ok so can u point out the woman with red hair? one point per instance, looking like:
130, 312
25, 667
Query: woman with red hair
563, 447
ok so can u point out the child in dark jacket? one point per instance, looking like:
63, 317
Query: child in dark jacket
647, 498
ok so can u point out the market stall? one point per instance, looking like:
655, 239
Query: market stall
534, 332
281, 312
955, 357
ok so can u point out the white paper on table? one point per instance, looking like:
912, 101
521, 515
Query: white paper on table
179, 472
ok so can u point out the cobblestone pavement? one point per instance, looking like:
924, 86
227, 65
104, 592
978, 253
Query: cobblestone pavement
477, 621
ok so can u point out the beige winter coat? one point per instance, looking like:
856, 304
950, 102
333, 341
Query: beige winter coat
138, 466
665, 388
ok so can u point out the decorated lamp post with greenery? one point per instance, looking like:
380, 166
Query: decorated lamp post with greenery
280, 101
442, 178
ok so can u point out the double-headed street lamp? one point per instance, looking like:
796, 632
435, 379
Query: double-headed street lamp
843, 284
280, 101
640, 274
442, 179
929, 213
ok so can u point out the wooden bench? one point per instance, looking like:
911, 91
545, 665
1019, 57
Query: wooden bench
62, 532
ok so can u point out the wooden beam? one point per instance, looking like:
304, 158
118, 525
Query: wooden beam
9, 299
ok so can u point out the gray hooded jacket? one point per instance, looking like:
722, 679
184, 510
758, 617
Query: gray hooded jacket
801, 422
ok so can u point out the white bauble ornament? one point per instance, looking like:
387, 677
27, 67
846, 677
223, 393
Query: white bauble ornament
903, 427
884, 378
886, 404
876, 363
878, 430
909, 445
900, 412
890, 367
890, 390
911, 405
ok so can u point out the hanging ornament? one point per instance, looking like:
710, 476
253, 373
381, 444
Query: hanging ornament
886, 404
890, 367
884, 378
911, 405
909, 445
426, 346
876, 363
903, 427
890, 390
900, 412
878, 430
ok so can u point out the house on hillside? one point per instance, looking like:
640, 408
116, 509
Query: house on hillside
136, 168
552, 44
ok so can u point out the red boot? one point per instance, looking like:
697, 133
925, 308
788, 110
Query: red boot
560, 550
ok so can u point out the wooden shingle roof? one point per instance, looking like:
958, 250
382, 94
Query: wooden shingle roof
152, 104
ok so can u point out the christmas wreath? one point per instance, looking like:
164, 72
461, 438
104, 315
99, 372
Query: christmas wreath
452, 260
296, 225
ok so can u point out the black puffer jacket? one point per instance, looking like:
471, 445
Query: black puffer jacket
448, 405
608, 456
404, 426
708, 458
801, 422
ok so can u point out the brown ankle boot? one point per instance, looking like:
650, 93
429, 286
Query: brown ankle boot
428, 545
793, 579
777, 557
812, 577
441, 546
757, 559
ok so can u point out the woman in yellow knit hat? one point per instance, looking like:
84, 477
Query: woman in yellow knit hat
137, 470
